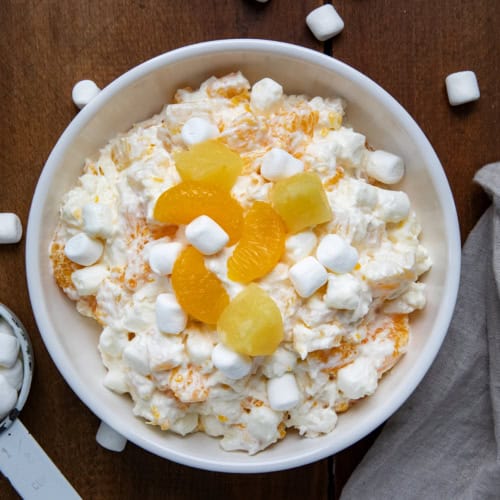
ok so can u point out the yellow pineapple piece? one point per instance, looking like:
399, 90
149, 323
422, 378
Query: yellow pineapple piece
209, 162
251, 324
301, 201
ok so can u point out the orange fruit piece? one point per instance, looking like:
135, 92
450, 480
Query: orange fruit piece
190, 199
251, 324
210, 162
301, 201
199, 292
261, 245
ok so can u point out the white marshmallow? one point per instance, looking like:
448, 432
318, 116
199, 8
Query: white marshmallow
278, 164
300, 245
336, 254
307, 276
283, 392
83, 249
170, 317
136, 355
9, 350
116, 381
198, 130
206, 235
462, 87
366, 195
357, 379
14, 374
8, 397
324, 22
163, 256
385, 167
265, 94
232, 364
5, 327
199, 347
83, 92
393, 206
343, 292
88, 279
11, 229
109, 439
97, 219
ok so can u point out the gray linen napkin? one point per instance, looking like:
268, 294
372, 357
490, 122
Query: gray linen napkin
444, 442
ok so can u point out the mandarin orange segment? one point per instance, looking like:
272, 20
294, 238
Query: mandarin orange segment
185, 201
301, 201
199, 292
251, 324
261, 245
210, 162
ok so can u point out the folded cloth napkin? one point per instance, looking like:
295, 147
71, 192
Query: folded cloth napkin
444, 442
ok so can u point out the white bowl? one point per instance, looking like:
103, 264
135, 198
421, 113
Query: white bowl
141, 92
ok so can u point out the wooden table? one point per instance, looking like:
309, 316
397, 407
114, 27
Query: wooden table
47, 45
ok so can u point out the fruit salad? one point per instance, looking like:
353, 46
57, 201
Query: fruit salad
251, 261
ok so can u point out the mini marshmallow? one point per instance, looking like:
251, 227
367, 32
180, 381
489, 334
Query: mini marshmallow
232, 364
336, 254
393, 206
198, 130
300, 245
97, 220
8, 397
83, 250
162, 257
283, 392
170, 317
109, 439
358, 379
83, 92
11, 229
307, 276
385, 167
116, 381
265, 94
462, 87
206, 235
278, 164
14, 374
366, 195
88, 279
343, 292
324, 22
199, 347
9, 350
136, 355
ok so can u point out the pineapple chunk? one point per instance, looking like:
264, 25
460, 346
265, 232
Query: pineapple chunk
251, 324
210, 162
301, 201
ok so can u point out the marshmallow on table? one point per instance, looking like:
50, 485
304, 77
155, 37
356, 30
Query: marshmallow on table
11, 229
170, 317
232, 364
14, 374
278, 164
198, 130
265, 94
97, 220
336, 254
9, 350
462, 87
307, 276
358, 379
88, 279
343, 292
206, 235
83, 250
393, 206
385, 167
162, 257
324, 22
283, 392
8, 397
83, 92
110, 439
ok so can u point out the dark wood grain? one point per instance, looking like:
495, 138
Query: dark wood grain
48, 45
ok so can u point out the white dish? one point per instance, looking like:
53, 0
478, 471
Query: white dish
141, 92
